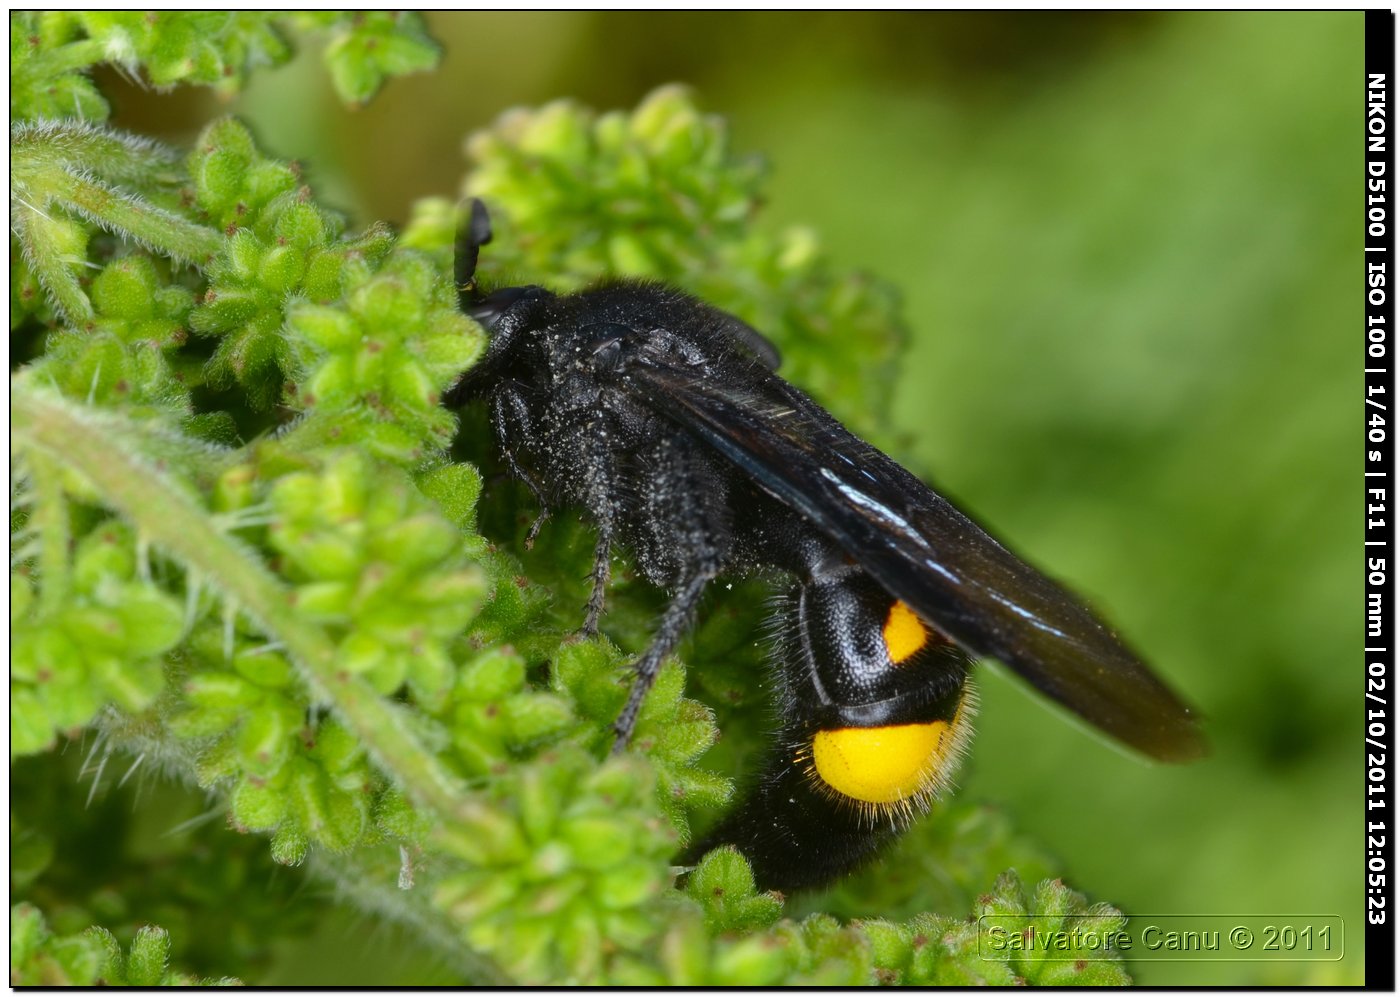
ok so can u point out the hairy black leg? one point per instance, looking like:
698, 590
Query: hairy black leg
600, 496
537, 525
686, 542
510, 419
673, 624
602, 571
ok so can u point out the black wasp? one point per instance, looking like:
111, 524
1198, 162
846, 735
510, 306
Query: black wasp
663, 419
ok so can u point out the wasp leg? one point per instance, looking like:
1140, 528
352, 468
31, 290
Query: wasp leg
686, 544
510, 419
602, 572
537, 525
600, 491
673, 624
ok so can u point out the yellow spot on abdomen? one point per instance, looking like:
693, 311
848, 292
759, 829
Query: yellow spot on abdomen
878, 764
904, 632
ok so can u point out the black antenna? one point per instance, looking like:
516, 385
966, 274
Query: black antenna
473, 232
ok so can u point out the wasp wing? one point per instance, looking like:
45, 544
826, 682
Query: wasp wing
923, 550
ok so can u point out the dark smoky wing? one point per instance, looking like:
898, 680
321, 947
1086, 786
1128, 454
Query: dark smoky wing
925, 551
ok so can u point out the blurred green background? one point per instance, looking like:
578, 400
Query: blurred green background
1128, 246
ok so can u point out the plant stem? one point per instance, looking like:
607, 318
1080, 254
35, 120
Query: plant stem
66, 58
138, 219
51, 520
100, 448
41, 243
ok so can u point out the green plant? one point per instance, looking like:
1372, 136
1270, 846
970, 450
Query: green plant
250, 551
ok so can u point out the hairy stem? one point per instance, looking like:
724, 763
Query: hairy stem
130, 216
40, 239
98, 447
67, 58
51, 523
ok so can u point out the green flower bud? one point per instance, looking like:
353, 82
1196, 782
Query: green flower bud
408, 382
149, 621
74, 962
390, 674
280, 270
889, 943
684, 952
70, 700
455, 488
580, 945
558, 130
27, 663
221, 692
265, 669
452, 349
219, 761
257, 806
220, 177
132, 685
359, 652
485, 837
28, 933
332, 818
533, 718
326, 554
597, 842
337, 748
264, 740
30, 727
324, 601
723, 885
301, 226
627, 885
659, 112
417, 542
94, 628
694, 788
245, 257
492, 675
326, 328
374, 45
395, 816
754, 961
125, 288
289, 845
150, 955
430, 675
333, 383
469, 897
549, 864
345, 489
297, 497
324, 277
232, 182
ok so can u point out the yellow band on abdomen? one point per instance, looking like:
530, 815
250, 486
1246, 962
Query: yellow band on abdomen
904, 633
879, 764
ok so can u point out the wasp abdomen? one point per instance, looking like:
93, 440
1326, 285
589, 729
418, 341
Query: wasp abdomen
885, 691
876, 709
